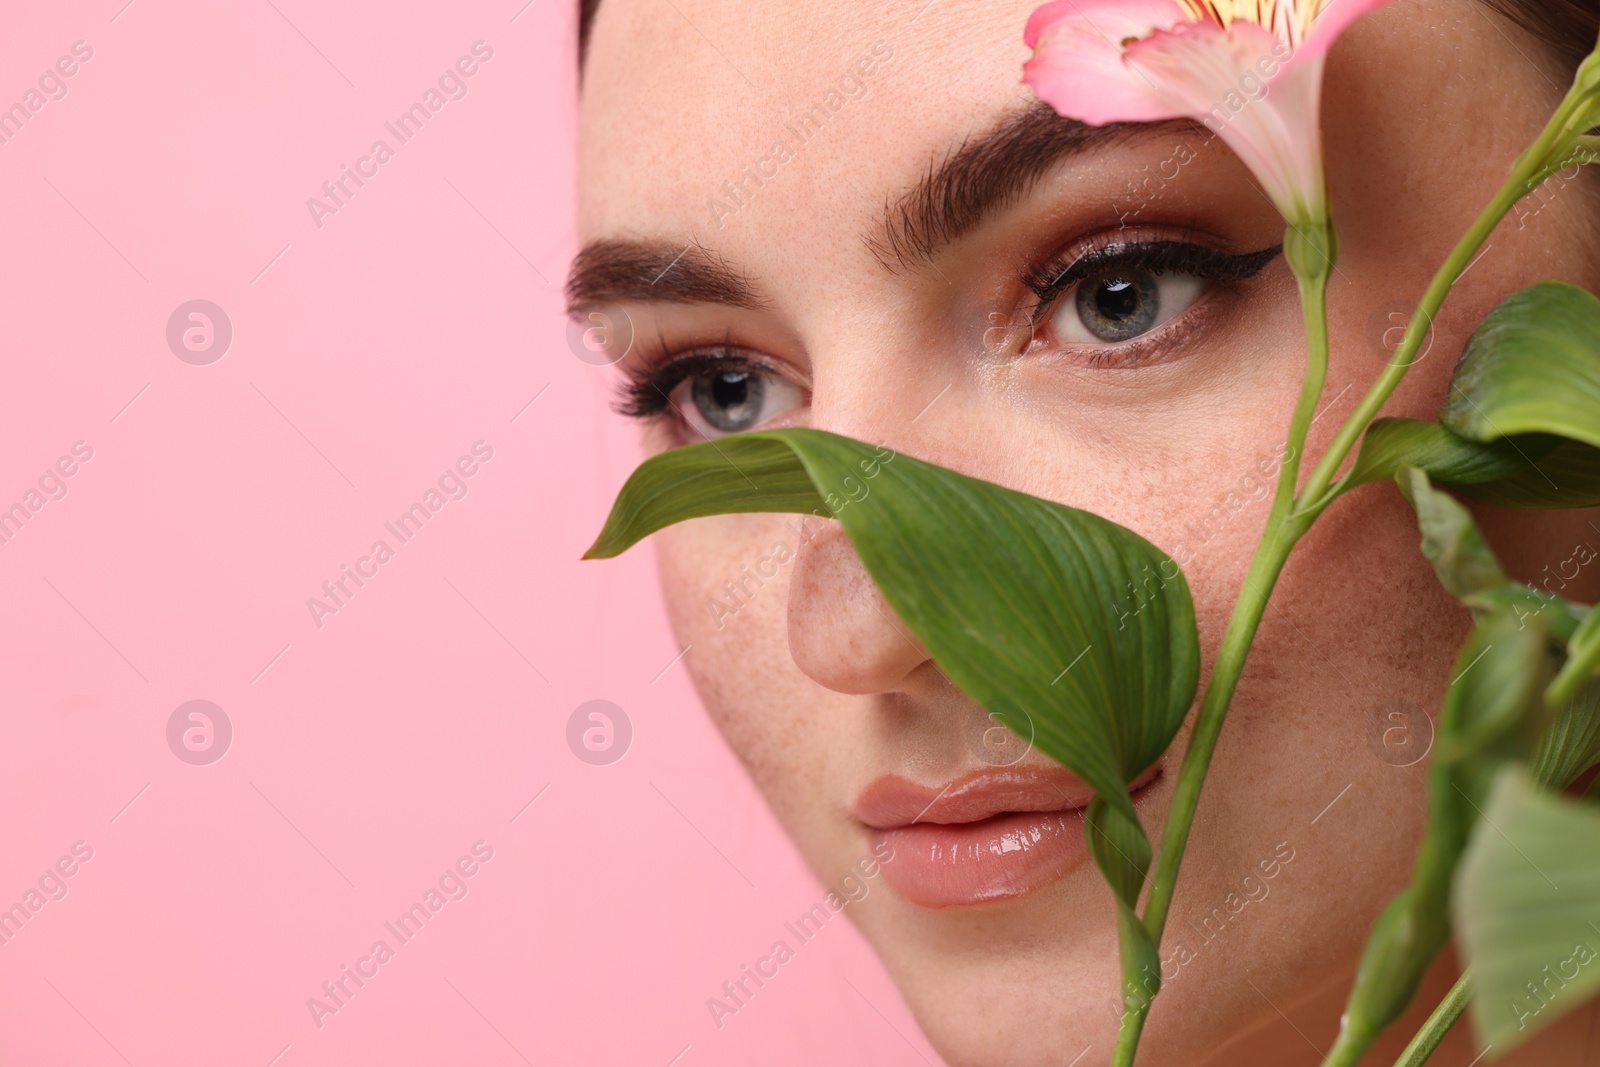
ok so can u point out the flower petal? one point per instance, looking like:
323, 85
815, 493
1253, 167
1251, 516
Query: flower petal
1332, 20
1077, 65
1238, 82
1201, 67
1117, 20
1259, 87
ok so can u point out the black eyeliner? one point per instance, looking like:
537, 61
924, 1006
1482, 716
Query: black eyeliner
1048, 279
646, 390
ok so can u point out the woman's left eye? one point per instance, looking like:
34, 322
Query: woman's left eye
1122, 304
720, 402
1120, 293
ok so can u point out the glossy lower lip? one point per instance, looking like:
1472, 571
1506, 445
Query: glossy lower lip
987, 837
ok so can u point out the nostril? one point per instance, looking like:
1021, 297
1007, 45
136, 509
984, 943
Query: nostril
842, 633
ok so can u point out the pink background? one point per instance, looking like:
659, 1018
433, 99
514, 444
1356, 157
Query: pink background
368, 354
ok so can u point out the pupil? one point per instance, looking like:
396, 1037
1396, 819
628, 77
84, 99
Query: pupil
1117, 299
729, 400
1119, 306
730, 389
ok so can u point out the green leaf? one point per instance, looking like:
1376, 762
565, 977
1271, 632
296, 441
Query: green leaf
1562, 616
1450, 539
1520, 427
1492, 712
1533, 471
1572, 743
1499, 714
1122, 852
1408, 934
1567, 476
756, 474
1390, 444
1527, 909
1532, 366
1074, 630
1583, 659
1468, 569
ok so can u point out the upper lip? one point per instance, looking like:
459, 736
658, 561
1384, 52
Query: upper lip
892, 802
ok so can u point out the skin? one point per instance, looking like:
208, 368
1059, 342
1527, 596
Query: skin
813, 681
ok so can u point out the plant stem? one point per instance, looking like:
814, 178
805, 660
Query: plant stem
1346, 1051
1271, 554
1439, 1023
1282, 532
1311, 251
1265, 567
1558, 144
1529, 169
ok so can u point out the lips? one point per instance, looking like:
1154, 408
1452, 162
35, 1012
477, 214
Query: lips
988, 836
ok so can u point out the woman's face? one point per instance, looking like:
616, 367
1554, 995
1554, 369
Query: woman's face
855, 217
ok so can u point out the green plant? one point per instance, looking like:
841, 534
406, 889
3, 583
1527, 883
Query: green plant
1007, 593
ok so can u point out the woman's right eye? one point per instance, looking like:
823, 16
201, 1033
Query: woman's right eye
720, 402
1120, 305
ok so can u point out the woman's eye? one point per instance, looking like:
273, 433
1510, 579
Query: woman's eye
1121, 304
729, 401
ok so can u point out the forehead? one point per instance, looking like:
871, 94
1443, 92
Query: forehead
710, 118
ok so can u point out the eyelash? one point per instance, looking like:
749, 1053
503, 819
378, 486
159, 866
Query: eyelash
1052, 277
647, 389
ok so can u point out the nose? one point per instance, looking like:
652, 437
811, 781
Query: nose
842, 632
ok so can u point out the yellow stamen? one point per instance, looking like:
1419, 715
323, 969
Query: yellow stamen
1288, 19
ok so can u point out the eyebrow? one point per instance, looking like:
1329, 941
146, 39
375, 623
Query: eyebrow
990, 172
979, 176
616, 269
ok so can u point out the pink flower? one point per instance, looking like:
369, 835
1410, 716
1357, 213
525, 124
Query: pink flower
1250, 70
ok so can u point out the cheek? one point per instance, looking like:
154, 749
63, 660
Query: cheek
1358, 623
719, 602
735, 622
